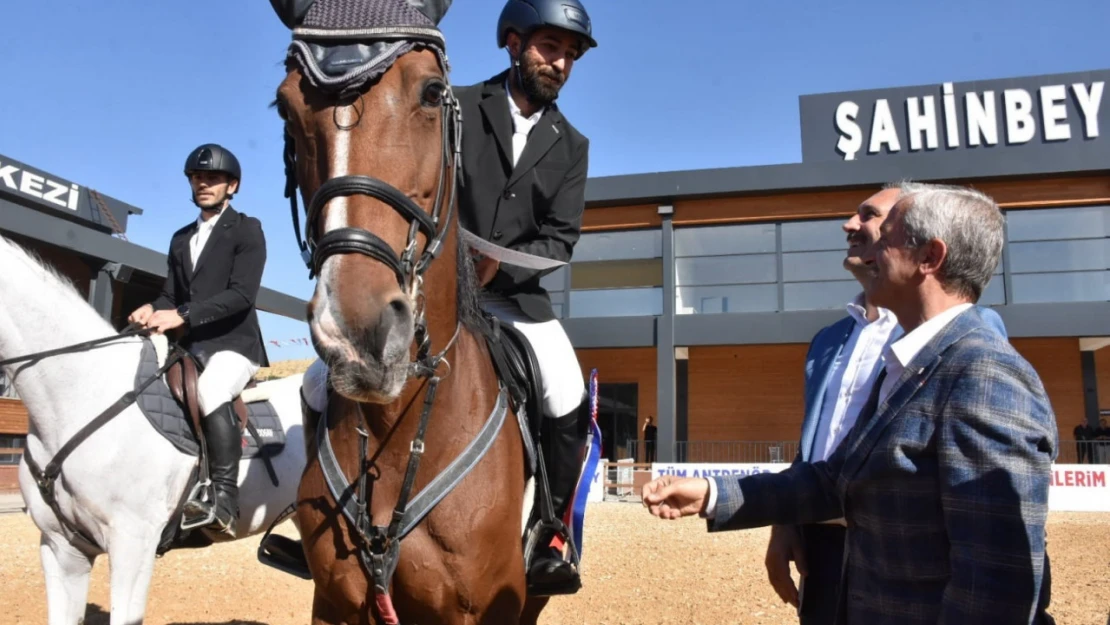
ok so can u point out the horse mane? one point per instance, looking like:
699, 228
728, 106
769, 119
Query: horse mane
50, 274
469, 312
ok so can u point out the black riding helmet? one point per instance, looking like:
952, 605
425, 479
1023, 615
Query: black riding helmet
213, 157
524, 16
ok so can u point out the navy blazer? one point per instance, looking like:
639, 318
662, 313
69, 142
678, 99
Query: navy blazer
944, 489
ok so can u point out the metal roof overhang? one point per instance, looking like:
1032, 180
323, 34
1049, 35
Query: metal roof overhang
70, 235
669, 186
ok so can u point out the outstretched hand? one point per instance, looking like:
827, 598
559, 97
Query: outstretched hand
670, 497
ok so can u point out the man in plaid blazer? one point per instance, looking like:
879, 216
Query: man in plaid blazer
943, 481
841, 365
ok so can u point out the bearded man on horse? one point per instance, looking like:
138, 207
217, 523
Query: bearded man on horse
215, 272
523, 188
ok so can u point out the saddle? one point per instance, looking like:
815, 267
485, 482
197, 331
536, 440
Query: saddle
181, 379
182, 376
517, 368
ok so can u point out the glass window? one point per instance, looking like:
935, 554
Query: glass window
616, 302
1058, 223
819, 295
1077, 286
725, 270
718, 240
616, 274
619, 245
1075, 255
556, 280
809, 266
806, 236
735, 298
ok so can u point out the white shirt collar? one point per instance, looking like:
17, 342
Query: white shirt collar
521, 123
905, 348
858, 312
211, 223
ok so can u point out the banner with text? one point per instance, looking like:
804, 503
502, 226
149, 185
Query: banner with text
1074, 488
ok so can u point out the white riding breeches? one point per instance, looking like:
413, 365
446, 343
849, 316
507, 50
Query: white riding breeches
223, 379
559, 369
563, 386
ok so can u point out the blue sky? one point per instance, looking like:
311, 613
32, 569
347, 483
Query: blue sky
114, 94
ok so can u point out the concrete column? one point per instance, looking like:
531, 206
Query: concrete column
664, 348
100, 291
1090, 388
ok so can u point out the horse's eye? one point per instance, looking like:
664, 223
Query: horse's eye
433, 93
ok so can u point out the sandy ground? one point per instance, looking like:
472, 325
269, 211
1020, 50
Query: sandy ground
637, 570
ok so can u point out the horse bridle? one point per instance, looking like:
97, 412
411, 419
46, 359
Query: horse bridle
408, 269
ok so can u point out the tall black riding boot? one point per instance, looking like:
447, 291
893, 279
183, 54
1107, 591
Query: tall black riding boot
225, 450
562, 440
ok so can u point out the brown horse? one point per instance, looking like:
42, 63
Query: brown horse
395, 316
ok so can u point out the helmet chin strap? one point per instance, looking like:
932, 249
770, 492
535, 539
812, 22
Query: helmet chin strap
518, 72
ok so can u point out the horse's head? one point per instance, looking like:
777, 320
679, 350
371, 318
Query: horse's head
372, 131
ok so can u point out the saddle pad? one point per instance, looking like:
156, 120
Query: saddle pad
165, 414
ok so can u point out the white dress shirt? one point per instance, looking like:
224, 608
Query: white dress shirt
902, 351
200, 237
851, 381
850, 385
522, 126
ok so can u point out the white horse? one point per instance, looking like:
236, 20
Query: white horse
121, 485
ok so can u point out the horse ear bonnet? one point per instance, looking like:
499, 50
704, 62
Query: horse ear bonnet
323, 31
291, 12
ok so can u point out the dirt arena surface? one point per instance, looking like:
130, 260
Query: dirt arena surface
637, 570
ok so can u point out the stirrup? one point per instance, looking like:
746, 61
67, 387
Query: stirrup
565, 587
284, 554
195, 498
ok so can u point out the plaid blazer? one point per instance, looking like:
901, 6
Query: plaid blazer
944, 489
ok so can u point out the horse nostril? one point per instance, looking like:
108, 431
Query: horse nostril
400, 307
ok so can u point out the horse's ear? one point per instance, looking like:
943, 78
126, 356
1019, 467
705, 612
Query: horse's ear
432, 9
291, 12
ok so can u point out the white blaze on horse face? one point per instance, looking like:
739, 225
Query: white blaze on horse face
328, 319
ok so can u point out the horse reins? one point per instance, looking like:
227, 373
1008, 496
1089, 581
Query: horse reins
131, 330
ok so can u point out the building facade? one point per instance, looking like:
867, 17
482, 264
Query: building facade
695, 293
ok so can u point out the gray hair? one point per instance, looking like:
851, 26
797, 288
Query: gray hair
968, 221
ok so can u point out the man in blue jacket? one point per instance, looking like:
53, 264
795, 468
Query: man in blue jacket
843, 361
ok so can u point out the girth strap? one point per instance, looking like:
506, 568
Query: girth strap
433, 493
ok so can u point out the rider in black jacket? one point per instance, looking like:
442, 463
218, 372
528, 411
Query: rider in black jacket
214, 274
